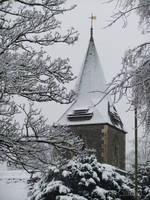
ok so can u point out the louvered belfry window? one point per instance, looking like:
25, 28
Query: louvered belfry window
80, 114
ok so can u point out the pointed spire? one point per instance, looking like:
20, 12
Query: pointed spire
92, 26
91, 38
91, 81
90, 89
92, 18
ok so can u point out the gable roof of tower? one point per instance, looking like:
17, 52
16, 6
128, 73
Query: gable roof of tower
91, 89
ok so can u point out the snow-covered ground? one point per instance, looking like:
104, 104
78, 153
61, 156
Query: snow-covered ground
13, 184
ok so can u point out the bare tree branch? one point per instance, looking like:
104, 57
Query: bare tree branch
27, 70
34, 144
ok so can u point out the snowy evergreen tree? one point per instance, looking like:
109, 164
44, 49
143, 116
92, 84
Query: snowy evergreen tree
143, 180
83, 179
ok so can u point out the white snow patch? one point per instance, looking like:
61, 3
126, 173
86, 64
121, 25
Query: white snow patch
71, 197
13, 191
13, 184
81, 173
95, 176
53, 185
91, 180
105, 175
54, 169
100, 192
13, 175
87, 166
65, 173
83, 180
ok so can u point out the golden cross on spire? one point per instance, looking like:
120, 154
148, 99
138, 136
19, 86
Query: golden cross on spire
92, 19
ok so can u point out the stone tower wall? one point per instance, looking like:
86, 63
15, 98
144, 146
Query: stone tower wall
92, 137
116, 147
108, 142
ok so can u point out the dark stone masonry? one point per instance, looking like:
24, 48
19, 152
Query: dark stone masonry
108, 141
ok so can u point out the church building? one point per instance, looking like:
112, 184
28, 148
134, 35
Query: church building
92, 116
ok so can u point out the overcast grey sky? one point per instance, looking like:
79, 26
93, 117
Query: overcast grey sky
111, 44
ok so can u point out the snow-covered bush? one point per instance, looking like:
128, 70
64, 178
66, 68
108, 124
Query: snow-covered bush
143, 181
83, 179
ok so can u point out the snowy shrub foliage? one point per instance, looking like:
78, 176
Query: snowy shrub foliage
143, 180
83, 179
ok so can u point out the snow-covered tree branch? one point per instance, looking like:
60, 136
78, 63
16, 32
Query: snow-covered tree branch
141, 7
27, 70
134, 79
34, 144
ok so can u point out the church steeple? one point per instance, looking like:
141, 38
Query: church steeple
91, 116
91, 82
91, 89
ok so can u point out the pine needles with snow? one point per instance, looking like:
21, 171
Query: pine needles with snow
83, 179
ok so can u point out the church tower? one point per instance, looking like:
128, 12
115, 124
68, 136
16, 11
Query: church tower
92, 117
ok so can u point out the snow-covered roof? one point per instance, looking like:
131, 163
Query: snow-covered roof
91, 89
